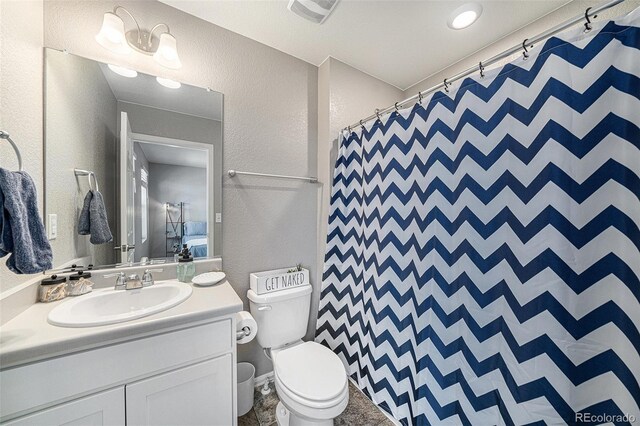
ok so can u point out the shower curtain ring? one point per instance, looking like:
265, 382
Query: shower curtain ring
378, 115
587, 25
396, 107
525, 54
446, 85
361, 125
481, 70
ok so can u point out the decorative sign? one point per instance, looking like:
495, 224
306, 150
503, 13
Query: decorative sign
278, 279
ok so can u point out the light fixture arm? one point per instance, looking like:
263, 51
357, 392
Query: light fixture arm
115, 12
156, 27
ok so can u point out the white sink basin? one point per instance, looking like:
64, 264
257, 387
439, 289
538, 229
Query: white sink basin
108, 306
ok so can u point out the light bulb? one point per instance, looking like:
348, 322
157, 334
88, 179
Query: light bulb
167, 53
464, 16
112, 34
167, 82
125, 72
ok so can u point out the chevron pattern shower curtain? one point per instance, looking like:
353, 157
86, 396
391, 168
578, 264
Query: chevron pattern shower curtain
483, 254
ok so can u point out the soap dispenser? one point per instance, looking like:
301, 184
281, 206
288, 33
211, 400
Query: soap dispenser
186, 267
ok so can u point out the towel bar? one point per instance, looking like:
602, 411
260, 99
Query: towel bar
309, 179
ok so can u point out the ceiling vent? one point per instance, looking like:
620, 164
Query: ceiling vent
314, 10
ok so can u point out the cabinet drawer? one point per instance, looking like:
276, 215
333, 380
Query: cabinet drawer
60, 379
102, 409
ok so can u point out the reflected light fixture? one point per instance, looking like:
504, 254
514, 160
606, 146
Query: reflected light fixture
125, 72
114, 37
167, 82
464, 16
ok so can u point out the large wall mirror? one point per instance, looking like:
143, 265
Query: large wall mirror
131, 156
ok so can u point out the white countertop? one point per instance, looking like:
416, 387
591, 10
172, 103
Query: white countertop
29, 337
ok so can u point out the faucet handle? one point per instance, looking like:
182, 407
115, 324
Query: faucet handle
121, 280
147, 278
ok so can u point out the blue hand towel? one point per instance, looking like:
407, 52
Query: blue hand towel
22, 233
93, 219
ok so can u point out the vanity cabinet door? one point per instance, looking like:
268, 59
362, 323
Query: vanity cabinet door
102, 409
201, 394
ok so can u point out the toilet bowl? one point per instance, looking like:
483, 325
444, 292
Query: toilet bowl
311, 383
310, 379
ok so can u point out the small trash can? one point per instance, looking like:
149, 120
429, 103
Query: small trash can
246, 383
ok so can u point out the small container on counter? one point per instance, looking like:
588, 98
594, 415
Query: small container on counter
52, 289
186, 268
79, 283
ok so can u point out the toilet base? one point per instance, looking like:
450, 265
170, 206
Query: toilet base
285, 417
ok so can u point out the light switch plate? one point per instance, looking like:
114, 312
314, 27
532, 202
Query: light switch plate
52, 226
218, 217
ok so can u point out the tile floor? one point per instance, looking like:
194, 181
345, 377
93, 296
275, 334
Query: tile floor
360, 411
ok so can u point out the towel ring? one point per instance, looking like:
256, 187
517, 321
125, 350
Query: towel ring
5, 135
89, 174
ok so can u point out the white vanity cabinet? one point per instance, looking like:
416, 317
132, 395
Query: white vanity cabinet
182, 376
197, 395
102, 409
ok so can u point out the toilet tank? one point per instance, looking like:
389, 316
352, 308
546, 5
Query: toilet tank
282, 316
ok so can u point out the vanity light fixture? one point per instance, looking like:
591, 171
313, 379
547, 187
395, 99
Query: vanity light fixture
114, 37
464, 16
167, 82
125, 72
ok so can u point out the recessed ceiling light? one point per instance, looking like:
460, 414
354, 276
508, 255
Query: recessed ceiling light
166, 82
125, 72
464, 16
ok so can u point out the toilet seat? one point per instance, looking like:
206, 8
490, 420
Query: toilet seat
311, 375
307, 410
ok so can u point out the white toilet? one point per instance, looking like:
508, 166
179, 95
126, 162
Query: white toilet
310, 379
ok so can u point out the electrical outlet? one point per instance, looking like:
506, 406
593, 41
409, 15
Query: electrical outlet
52, 226
218, 217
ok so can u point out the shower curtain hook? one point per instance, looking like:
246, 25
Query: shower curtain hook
587, 25
349, 129
378, 115
420, 98
396, 107
525, 54
481, 70
361, 125
446, 85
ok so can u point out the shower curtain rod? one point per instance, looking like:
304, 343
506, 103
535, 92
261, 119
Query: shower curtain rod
586, 17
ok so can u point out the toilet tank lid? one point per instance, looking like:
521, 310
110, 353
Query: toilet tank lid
279, 296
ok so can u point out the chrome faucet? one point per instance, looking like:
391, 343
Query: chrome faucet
147, 278
124, 282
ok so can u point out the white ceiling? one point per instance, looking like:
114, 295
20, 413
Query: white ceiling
400, 42
145, 90
176, 156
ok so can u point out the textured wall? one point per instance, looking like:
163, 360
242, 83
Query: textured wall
80, 129
270, 119
345, 95
21, 96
